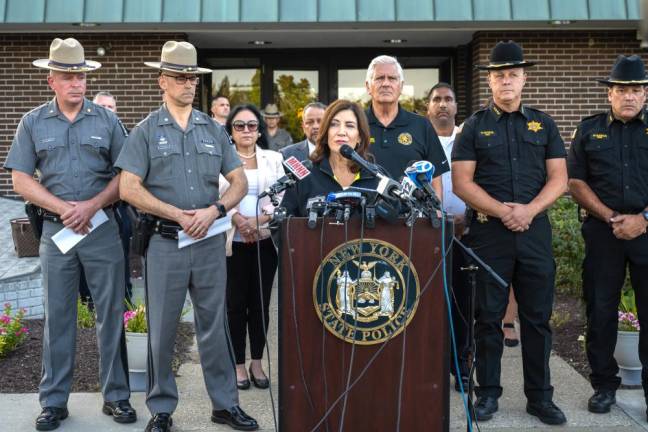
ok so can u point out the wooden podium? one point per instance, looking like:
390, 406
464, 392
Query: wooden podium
314, 361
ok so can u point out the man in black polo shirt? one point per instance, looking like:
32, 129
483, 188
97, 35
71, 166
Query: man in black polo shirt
608, 162
398, 136
508, 164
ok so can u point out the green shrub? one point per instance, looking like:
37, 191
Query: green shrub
85, 317
568, 246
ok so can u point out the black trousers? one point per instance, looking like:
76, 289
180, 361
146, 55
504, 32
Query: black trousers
526, 260
460, 302
246, 306
604, 271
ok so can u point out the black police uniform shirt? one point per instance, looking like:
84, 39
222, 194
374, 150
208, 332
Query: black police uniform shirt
75, 158
612, 158
511, 150
320, 182
409, 137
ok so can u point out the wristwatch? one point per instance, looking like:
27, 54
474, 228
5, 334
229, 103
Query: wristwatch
221, 209
645, 215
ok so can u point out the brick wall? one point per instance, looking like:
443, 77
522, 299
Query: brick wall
461, 79
568, 63
24, 86
24, 292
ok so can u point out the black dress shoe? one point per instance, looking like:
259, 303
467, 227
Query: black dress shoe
485, 407
121, 411
547, 412
50, 418
160, 422
236, 418
601, 401
261, 383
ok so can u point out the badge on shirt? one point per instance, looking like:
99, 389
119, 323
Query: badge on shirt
534, 126
599, 136
405, 138
482, 217
646, 131
372, 140
162, 143
487, 133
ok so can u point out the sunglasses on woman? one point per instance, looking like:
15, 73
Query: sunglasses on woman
239, 126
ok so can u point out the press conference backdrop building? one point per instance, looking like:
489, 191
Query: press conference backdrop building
289, 51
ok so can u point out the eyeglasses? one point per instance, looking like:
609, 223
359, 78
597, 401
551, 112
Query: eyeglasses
182, 79
239, 126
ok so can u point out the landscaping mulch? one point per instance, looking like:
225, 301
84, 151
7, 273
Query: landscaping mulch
568, 324
21, 369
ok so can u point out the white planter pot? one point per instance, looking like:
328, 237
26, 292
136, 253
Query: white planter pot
626, 354
137, 348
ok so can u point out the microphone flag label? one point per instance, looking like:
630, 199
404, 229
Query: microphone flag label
366, 292
296, 167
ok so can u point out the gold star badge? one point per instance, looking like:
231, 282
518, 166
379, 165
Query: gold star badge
534, 126
481, 217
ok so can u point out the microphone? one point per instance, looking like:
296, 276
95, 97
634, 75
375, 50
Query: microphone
348, 199
315, 207
421, 174
295, 171
387, 187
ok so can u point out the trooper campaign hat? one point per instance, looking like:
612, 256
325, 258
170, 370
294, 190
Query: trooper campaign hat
67, 56
180, 57
506, 55
627, 71
271, 110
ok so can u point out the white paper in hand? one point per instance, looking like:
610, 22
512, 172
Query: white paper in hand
66, 239
217, 227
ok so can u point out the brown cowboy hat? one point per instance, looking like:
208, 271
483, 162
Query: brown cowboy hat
67, 56
180, 57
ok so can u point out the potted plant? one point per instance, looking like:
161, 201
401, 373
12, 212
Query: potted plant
626, 351
136, 344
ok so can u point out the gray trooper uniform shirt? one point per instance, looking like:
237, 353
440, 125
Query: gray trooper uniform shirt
181, 167
280, 140
74, 161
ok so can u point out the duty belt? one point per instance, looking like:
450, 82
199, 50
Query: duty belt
166, 228
53, 217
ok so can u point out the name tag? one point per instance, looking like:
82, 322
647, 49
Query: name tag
96, 137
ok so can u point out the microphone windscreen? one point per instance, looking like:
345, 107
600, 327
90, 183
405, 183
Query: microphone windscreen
346, 150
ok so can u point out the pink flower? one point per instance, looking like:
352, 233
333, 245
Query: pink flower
2, 331
7, 305
25, 330
5, 319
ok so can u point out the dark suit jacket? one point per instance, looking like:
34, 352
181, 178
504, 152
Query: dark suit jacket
299, 150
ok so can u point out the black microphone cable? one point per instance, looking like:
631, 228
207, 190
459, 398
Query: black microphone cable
355, 317
300, 357
373, 358
404, 344
263, 317
321, 301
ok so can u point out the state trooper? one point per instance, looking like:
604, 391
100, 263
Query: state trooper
170, 167
508, 164
73, 143
608, 162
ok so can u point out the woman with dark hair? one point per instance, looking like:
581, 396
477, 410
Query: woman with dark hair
344, 122
247, 307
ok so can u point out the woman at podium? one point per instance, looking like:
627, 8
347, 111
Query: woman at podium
344, 122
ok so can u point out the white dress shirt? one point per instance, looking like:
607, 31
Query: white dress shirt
452, 204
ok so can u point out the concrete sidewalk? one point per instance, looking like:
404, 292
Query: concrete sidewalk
18, 411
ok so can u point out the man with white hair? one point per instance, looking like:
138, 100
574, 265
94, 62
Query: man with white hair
399, 136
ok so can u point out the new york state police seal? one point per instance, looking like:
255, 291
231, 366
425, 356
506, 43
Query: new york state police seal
366, 293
